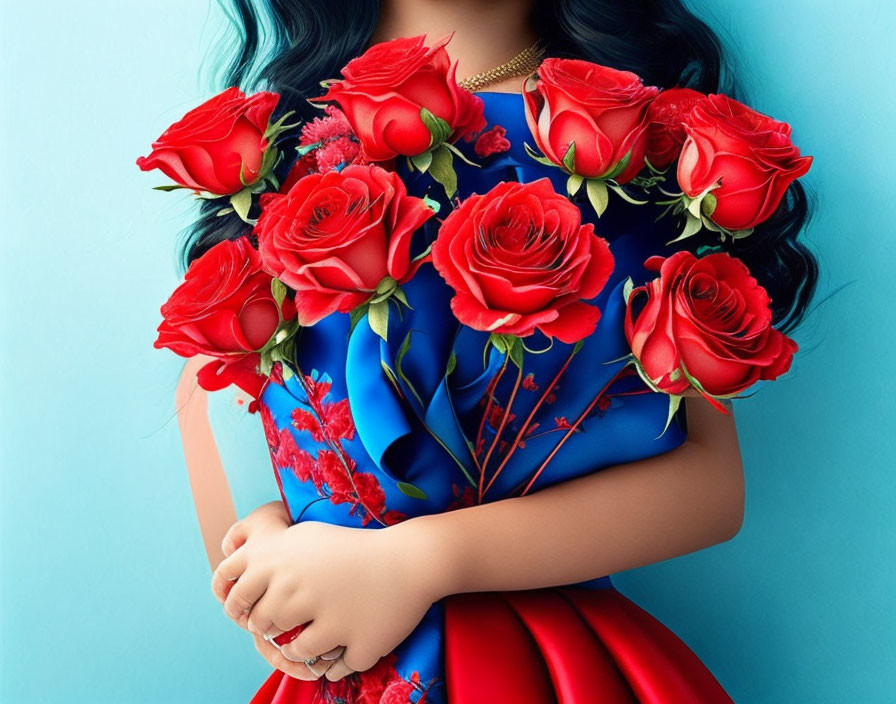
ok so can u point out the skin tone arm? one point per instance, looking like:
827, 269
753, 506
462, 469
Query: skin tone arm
208, 481
620, 518
367, 589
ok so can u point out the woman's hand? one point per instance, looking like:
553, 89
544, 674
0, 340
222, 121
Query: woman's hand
267, 518
362, 588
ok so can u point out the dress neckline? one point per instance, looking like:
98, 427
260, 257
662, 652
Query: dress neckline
497, 92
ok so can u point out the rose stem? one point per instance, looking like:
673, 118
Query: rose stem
490, 392
504, 418
532, 413
573, 427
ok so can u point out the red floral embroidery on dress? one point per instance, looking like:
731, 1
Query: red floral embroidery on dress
381, 684
462, 499
338, 419
271, 433
529, 382
496, 415
331, 470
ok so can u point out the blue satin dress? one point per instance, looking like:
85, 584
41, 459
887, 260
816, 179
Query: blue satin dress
392, 414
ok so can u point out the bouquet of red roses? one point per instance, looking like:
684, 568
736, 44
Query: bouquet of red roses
336, 233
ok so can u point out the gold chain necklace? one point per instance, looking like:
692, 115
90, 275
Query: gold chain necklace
522, 64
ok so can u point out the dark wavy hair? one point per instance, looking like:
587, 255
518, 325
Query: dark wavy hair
289, 46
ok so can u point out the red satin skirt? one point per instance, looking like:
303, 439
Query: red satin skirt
561, 645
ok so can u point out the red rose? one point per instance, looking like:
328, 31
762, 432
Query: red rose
706, 318
211, 145
384, 89
224, 308
602, 110
748, 153
519, 259
665, 132
334, 237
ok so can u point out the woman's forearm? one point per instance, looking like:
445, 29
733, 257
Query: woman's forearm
611, 520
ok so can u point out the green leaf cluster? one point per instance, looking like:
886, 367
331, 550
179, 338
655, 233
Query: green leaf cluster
697, 213
377, 307
281, 346
438, 159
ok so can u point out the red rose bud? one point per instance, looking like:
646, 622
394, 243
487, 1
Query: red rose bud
749, 154
214, 144
383, 91
665, 131
519, 260
225, 309
335, 237
707, 319
603, 111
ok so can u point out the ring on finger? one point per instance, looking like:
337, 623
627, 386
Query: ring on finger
311, 661
270, 639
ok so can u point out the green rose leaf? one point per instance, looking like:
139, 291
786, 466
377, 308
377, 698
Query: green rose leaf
569, 159
422, 161
378, 317
442, 170
414, 492
439, 130
597, 194
574, 183
242, 203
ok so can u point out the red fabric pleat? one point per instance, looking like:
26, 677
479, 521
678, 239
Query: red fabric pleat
659, 666
581, 668
562, 645
490, 655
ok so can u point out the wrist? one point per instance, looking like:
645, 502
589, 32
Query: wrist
429, 553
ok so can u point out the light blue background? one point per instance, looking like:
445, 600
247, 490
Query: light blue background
105, 584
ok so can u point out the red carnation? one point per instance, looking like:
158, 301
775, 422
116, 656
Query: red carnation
492, 141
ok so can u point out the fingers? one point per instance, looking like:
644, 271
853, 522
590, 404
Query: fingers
333, 654
358, 660
294, 669
245, 594
338, 670
313, 640
234, 538
274, 610
228, 571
